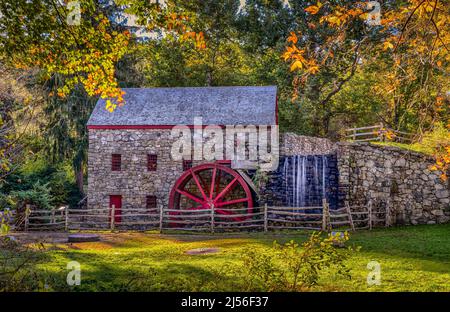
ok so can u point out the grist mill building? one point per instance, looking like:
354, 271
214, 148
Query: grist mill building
130, 163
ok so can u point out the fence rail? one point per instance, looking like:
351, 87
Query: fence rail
379, 133
265, 218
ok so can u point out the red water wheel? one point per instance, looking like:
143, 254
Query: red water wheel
212, 185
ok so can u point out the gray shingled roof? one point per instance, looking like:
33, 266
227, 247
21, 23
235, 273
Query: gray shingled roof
179, 106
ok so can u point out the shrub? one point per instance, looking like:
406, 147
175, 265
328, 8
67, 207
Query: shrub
38, 196
293, 266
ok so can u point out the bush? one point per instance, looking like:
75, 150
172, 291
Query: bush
293, 266
58, 179
38, 196
434, 141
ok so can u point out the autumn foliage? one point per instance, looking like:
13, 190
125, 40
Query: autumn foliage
408, 47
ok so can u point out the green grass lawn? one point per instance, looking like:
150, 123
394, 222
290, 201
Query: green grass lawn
415, 258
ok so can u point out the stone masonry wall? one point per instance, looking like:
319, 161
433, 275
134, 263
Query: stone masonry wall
134, 182
292, 144
416, 194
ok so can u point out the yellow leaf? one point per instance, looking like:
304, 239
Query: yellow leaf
387, 45
286, 56
296, 65
313, 69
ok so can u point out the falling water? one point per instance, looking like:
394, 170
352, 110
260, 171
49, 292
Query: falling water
305, 180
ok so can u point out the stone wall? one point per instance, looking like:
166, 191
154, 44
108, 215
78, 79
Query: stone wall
134, 182
292, 144
387, 174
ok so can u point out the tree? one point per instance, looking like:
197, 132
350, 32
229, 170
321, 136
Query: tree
407, 50
15, 118
65, 130
57, 38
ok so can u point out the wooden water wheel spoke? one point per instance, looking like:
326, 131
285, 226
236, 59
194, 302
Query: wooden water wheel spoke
213, 179
232, 202
199, 186
226, 190
191, 196
218, 183
204, 185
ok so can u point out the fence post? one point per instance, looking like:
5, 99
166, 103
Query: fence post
265, 217
354, 134
113, 216
369, 210
381, 133
212, 219
388, 213
66, 227
325, 215
27, 214
53, 215
161, 215
350, 218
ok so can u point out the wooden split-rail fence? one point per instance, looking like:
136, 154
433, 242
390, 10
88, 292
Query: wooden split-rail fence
379, 133
265, 218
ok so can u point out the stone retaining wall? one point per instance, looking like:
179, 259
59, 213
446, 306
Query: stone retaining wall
387, 174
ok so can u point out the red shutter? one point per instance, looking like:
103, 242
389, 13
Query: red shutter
152, 160
116, 162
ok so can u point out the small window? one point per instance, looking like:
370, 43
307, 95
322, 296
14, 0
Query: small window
151, 202
152, 160
116, 162
187, 164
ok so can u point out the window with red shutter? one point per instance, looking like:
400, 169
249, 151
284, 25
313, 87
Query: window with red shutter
187, 164
151, 202
152, 160
116, 162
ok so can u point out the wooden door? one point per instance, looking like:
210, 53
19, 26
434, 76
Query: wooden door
116, 200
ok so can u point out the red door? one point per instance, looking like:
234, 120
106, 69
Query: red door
116, 200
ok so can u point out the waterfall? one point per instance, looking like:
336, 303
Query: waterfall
305, 180
285, 179
324, 180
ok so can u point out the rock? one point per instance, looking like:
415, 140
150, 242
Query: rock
82, 238
442, 194
437, 212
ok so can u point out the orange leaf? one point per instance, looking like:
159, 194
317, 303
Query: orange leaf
292, 38
313, 9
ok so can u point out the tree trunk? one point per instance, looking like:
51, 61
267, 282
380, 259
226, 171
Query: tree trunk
79, 177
